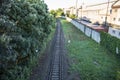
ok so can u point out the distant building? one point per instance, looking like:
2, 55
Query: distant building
97, 12
70, 10
66, 10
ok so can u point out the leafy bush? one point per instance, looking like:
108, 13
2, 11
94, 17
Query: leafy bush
24, 25
58, 12
67, 14
110, 42
118, 75
73, 16
53, 12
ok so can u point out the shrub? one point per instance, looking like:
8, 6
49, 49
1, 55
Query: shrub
110, 42
73, 16
118, 75
67, 14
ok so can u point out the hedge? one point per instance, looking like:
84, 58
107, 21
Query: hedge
111, 43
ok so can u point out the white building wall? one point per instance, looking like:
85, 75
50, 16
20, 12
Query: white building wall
97, 12
118, 17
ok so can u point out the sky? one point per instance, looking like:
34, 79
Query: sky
55, 4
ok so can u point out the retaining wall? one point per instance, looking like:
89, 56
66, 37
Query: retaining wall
93, 34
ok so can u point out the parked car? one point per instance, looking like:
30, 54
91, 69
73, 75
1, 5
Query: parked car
85, 19
96, 23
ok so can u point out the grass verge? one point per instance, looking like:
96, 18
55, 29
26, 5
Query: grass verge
88, 58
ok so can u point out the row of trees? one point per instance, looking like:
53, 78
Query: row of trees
24, 25
58, 12
72, 16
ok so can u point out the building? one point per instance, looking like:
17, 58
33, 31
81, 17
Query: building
70, 10
107, 11
115, 13
97, 12
66, 10
114, 30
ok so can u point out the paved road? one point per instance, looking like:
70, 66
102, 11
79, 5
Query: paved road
53, 65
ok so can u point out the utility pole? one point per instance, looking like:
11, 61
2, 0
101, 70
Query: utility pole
76, 8
107, 13
81, 10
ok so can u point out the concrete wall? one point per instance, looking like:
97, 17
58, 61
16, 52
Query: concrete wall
88, 31
96, 36
114, 32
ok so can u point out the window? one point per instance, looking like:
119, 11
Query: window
114, 19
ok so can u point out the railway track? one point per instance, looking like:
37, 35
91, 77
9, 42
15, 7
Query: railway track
56, 69
53, 66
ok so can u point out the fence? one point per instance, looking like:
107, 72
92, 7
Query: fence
114, 32
88, 31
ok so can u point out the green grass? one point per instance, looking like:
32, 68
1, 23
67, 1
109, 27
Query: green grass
88, 58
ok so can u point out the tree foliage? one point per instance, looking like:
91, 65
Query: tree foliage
53, 12
24, 24
58, 12
73, 16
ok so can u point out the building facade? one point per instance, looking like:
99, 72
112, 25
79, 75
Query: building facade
97, 12
115, 20
115, 14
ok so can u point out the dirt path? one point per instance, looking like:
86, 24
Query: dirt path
53, 65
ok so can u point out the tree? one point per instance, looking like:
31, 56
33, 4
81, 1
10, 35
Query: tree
62, 14
24, 25
73, 16
59, 12
53, 12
